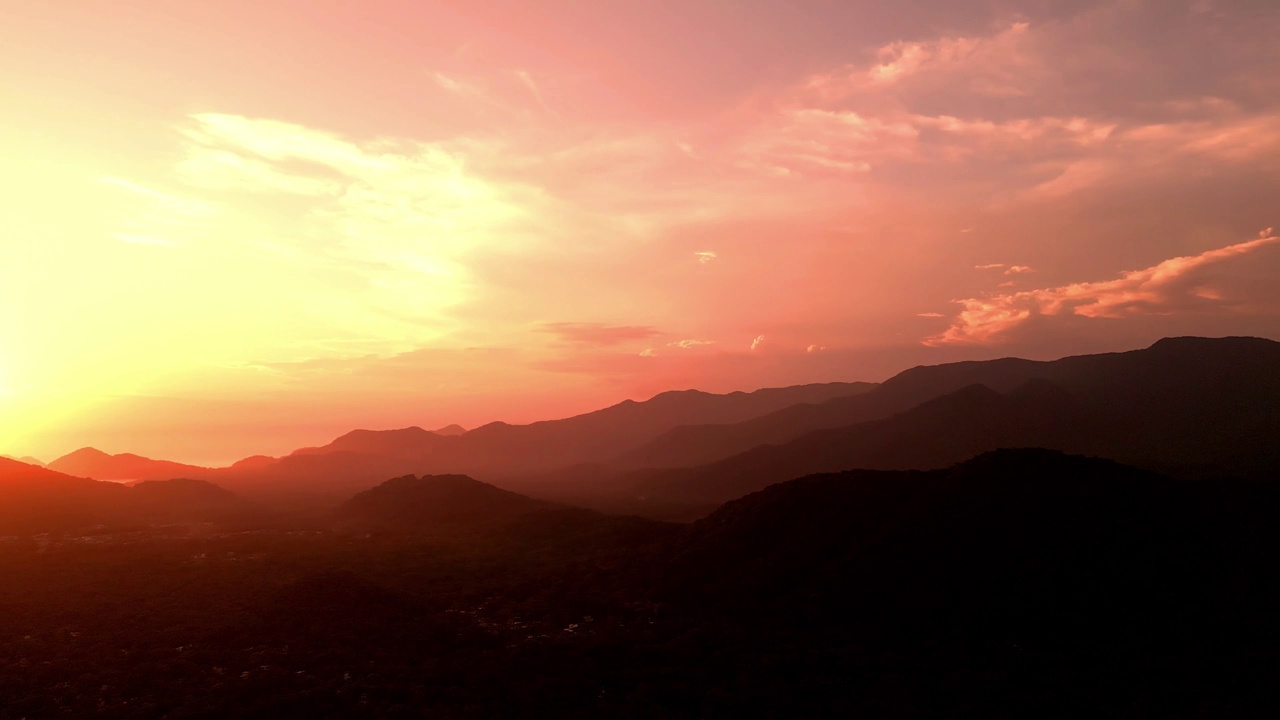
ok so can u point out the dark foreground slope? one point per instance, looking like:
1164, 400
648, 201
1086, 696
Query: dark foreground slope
1019, 584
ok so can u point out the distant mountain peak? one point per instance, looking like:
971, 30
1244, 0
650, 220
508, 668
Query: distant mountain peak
27, 460
411, 431
450, 430
1190, 342
84, 453
93, 463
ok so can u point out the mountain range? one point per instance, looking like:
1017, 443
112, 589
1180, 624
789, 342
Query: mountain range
1189, 407
37, 499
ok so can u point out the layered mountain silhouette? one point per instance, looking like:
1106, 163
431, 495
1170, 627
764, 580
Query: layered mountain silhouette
1191, 407
28, 460
962, 541
361, 458
1226, 385
93, 463
1187, 406
36, 499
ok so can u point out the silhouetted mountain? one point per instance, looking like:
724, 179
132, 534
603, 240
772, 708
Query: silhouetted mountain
15, 474
1018, 584
1202, 399
35, 500
503, 449
316, 479
185, 500
1189, 407
1059, 583
92, 463
27, 459
361, 458
254, 462
450, 430
935, 434
434, 501
411, 443
460, 509
1002, 537
812, 530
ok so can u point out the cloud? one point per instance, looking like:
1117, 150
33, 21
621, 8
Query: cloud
1008, 269
757, 341
453, 85
705, 257
1169, 287
599, 334
815, 348
930, 315
692, 343
648, 352
984, 63
399, 221
527, 80
990, 104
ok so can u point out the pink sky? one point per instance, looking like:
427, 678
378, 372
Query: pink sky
241, 227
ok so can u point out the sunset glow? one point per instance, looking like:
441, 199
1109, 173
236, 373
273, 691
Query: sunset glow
239, 227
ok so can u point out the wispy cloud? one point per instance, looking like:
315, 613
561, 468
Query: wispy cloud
598, 333
705, 257
1167, 287
691, 343
527, 80
759, 339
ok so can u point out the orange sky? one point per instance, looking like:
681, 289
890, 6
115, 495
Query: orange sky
242, 227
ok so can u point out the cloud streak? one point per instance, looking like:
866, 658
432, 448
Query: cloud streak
598, 333
1167, 287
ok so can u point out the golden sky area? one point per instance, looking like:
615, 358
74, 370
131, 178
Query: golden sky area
241, 227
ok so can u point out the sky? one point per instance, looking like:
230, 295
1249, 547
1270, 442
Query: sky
242, 227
